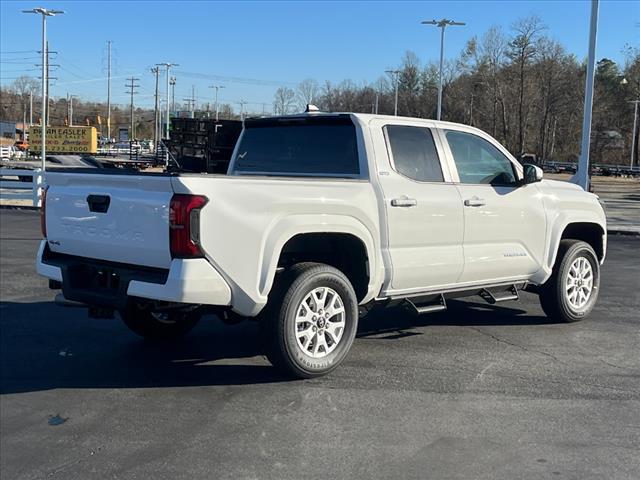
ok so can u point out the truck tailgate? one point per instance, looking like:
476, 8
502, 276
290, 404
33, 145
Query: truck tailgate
119, 218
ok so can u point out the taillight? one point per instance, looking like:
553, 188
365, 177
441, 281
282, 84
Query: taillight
43, 212
184, 225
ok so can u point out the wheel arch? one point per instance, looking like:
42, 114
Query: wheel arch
302, 238
590, 232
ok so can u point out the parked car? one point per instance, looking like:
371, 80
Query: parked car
22, 145
321, 215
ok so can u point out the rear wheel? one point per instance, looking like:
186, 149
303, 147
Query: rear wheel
156, 325
311, 320
572, 290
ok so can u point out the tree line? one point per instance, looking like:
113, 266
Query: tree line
521, 86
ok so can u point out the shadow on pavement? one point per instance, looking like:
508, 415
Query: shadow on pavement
459, 313
44, 346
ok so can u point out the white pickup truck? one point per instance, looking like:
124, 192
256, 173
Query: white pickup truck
321, 214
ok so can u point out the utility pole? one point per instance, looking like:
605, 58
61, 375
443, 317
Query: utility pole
217, 87
31, 107
156, 72
45, 13
242, 103
24, 122
49, 78
193, 100
441, 24
396, 74
109, 42
132, 91
633, 133
168, 67
71, 110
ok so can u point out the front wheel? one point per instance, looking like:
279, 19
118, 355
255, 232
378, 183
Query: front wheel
572, 290
311, 320
157, 325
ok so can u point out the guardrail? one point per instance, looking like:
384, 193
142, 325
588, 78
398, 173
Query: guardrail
32, 188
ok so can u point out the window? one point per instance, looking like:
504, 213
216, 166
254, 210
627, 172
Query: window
414, 153
313, 146
478, 161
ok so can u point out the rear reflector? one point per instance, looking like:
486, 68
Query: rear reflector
43, 212
184, 225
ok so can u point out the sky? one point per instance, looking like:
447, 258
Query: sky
253, 47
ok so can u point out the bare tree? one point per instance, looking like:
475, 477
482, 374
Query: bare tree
284, 101
24, 84
522, 52
307, 92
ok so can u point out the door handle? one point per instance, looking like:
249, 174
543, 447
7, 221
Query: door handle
404, 201
474, 202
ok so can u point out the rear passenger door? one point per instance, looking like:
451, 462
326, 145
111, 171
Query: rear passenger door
423, 208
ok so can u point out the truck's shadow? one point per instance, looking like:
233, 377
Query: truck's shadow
43, 346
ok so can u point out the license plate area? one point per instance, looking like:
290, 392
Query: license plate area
89, 277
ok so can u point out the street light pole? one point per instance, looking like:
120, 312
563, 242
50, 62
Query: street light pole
397, 79
45, 68
442, 24
633, 138
109, 42
217, 87
172, 82
582, 174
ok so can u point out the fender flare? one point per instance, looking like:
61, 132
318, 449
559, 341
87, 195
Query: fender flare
559, 225
285, 228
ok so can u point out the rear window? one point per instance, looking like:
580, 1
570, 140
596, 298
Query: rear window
315, 147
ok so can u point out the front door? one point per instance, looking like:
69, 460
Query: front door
504, 221
423, 208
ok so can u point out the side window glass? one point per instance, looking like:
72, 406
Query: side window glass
414, 153
478, 161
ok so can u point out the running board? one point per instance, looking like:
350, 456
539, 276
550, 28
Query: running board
504, 296
437, 305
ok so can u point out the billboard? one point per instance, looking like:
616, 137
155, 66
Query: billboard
65, 139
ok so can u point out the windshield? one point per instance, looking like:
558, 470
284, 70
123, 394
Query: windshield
315, 147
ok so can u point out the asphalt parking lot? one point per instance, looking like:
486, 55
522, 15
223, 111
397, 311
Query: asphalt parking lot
477, 392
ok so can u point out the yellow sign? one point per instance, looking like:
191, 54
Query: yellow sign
65, 140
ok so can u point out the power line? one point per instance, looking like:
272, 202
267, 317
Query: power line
249, 81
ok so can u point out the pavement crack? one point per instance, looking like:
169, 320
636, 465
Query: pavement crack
517, 345
616, 366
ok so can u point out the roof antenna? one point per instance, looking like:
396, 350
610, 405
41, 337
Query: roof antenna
311, 108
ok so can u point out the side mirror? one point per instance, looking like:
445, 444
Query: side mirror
532, 174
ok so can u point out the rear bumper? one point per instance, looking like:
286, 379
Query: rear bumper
95, 282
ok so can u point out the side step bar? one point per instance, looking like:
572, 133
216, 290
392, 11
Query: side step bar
496, 297
437, 305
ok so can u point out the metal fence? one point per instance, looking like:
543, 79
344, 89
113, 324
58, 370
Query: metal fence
18, 184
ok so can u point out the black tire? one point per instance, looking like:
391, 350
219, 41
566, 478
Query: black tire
158, 326
278, 321
553, 298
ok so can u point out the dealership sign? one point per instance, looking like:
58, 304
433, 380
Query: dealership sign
65, 139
